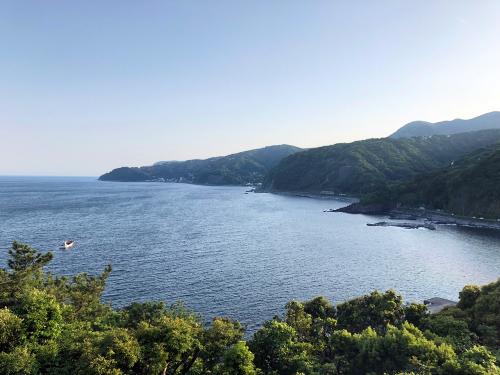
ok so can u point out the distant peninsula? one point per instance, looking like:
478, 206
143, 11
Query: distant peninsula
243, 168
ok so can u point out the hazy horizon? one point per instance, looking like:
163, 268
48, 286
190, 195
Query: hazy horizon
180, 160
91, 86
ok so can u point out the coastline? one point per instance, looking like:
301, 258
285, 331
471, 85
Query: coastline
433, 217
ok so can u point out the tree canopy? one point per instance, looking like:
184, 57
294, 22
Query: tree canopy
59, 325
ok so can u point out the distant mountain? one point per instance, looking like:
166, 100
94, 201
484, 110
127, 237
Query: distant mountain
365, 166
248, 167
421, 128
468, 187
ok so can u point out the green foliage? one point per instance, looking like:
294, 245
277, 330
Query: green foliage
415, 313
375, 310
468, 296
238, 360
51, 325
82, 294
298, 319
143, 312
314, 321
319, 308
222, 334
25, 259
171, 343
25, 272
484, 314
454, 331
113, 351
18, 361
374, 334
478, 360
41, 315
11, 329
277, 349
399, 349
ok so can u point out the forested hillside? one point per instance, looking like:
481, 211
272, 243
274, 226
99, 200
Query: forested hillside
365, 166
58, 325
248, 167
468, 187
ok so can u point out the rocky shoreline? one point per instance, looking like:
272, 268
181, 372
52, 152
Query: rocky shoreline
431, 217
324, 196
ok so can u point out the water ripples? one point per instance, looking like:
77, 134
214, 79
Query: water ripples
226, 253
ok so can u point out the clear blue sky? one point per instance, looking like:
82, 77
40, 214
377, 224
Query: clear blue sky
86, 86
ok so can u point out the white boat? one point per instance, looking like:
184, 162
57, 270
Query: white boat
68, 244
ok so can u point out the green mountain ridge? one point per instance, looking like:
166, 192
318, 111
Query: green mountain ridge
366, 166
248, 167
489, 120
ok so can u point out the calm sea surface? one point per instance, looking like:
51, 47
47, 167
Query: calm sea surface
226, 253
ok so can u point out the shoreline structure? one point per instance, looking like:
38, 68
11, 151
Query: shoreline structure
427, 216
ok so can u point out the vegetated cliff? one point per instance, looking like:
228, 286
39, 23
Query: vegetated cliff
367, 166
468, 187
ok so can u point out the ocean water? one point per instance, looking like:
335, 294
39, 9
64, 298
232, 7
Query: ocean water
227, 253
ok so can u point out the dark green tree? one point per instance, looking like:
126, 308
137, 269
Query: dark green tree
376, 310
